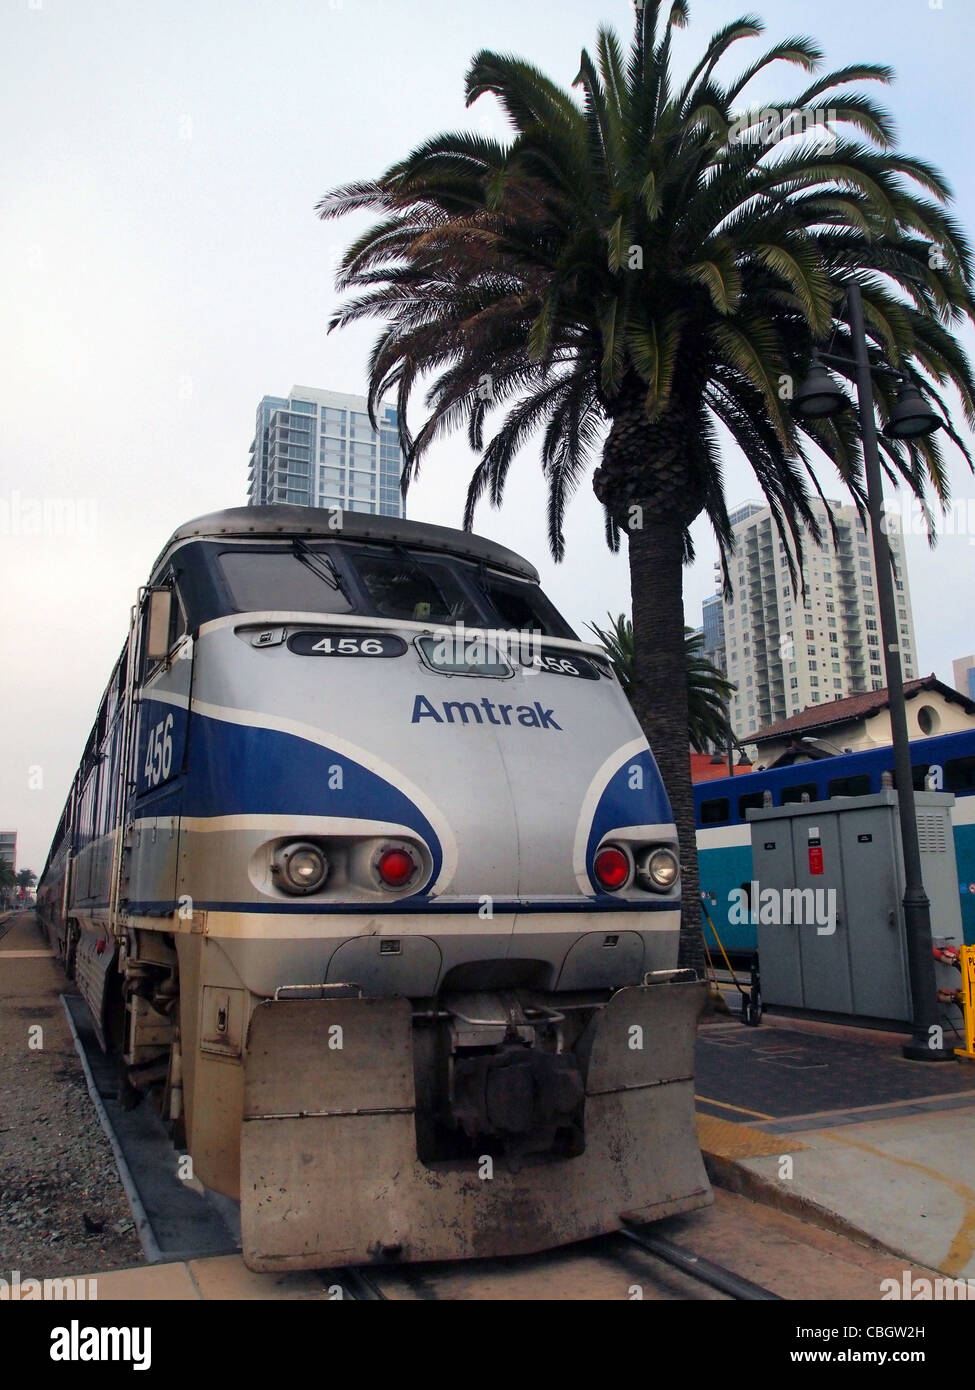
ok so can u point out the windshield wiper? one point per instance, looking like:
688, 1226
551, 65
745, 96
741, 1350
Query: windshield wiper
322, 566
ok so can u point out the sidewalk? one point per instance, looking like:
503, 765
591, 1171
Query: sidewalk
880, 1148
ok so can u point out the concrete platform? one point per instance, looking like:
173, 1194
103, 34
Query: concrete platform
839, 1129
218, 1277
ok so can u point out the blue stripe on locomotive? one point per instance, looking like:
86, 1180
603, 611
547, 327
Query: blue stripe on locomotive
248, 769
634, 795
244, 769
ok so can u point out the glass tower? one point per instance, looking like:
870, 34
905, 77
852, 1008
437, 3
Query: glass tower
786, 648
317, 449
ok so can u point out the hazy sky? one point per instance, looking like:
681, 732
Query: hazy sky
162, 269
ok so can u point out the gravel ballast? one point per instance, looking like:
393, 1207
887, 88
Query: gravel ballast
63, 1209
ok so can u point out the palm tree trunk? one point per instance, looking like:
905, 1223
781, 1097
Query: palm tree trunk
659, 697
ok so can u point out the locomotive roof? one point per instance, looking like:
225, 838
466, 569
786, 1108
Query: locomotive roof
284, 520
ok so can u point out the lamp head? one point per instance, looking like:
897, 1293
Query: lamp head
819, 396
911, 417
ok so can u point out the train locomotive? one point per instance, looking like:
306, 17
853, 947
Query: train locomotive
369, 879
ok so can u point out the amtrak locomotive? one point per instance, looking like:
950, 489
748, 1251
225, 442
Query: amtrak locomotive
369, 878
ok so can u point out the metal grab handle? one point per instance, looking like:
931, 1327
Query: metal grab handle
285, 992
682, 975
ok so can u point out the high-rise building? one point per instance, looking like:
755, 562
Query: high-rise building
712, 614
8, 847
785, 651
741, 513
317, 449
964, 673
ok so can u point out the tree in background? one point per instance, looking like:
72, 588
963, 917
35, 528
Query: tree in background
639, 265
8, 881
708, 691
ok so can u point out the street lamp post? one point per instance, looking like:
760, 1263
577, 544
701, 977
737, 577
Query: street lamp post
822, 397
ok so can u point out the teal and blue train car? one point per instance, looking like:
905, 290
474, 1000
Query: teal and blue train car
943, 763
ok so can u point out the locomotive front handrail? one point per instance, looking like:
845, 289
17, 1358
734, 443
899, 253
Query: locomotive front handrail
321, 991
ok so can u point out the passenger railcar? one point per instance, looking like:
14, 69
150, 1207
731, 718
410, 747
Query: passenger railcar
369, 876
943, 762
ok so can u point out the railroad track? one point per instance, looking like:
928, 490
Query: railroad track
697, 1275
698, 1267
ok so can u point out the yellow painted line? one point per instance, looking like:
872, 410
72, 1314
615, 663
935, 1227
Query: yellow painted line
963, 1246
731, 1139
24, 955
739, 1109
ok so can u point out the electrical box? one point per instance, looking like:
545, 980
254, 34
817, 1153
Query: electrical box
827, 900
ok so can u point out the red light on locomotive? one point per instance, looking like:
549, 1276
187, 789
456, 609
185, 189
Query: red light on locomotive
612, 868
396, 867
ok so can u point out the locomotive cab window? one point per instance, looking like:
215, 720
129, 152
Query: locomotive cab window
298, 582
715, 811
403, 586
523, 607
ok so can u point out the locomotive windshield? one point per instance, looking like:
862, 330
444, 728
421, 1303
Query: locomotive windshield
278, 579
386, 583
401, 586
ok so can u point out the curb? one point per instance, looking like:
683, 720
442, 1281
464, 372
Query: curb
727, 1174
843, 1032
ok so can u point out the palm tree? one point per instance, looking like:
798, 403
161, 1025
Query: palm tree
708, 691
640, 266
7, 881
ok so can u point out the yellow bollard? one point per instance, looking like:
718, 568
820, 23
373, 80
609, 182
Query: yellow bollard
967, 955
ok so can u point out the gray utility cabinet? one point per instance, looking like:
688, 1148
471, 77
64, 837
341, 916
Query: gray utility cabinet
852, 848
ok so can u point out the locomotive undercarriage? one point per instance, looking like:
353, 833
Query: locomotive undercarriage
142, 1025
496, 1074
478, 1125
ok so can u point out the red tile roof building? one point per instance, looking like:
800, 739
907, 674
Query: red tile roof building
863, 720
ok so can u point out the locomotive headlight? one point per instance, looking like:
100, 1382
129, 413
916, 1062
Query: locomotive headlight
300, 867
658, 870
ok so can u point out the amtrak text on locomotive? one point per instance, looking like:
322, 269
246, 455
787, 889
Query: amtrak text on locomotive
532, 716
